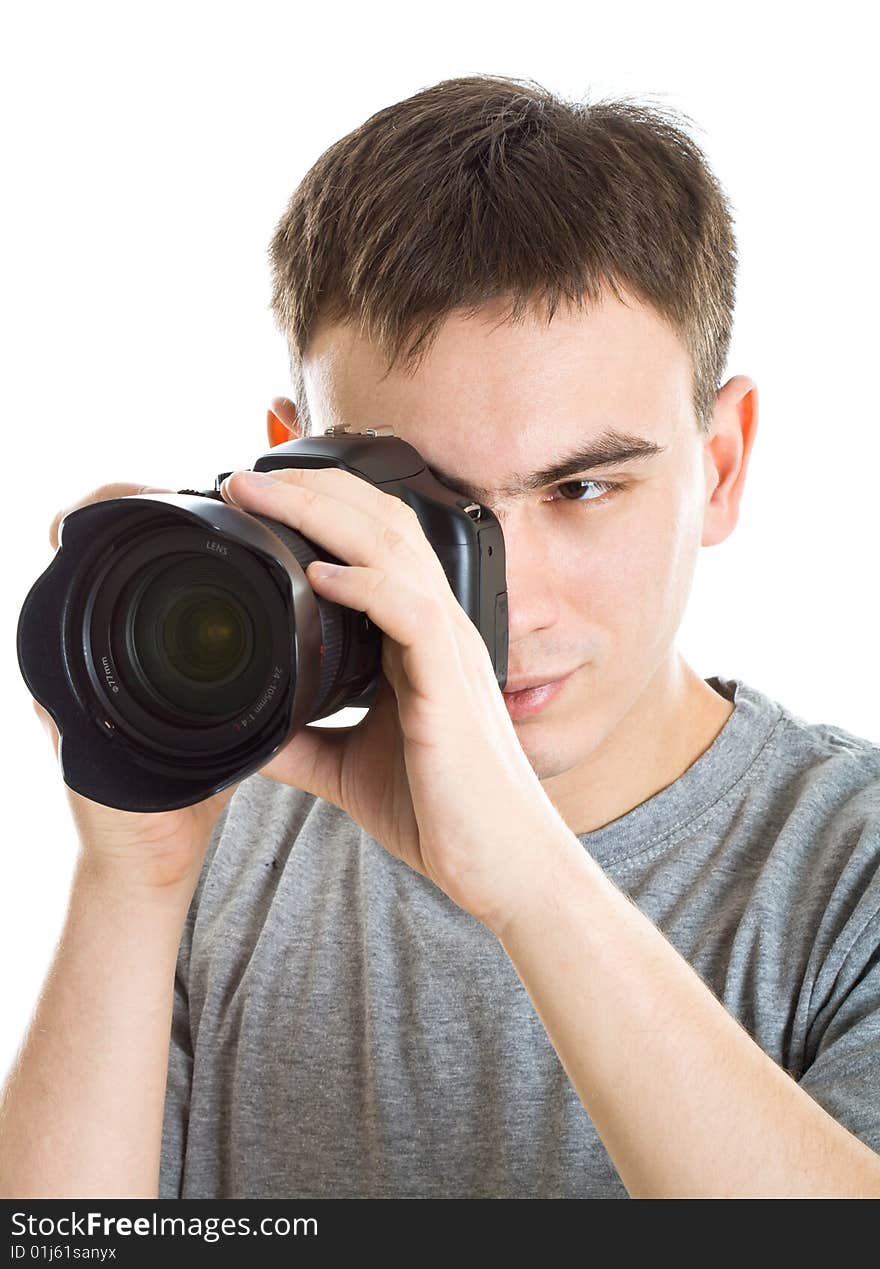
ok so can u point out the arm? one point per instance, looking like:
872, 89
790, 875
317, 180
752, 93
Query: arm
82, 1108
683, 1099
686, 1103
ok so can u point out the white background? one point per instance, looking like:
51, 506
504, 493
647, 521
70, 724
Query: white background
147, 155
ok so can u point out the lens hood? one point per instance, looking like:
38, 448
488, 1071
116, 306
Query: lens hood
122, 742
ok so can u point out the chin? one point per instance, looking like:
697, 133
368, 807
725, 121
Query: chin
552, 751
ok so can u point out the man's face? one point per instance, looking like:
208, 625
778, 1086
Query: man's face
597, 580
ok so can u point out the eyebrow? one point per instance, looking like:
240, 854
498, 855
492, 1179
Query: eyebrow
610, 448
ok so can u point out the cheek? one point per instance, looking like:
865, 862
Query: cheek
634, 570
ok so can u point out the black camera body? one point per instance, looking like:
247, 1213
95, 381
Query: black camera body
178, 644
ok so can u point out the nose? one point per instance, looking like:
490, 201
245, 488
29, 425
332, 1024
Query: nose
533, 583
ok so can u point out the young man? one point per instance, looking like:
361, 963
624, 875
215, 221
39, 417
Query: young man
614, 932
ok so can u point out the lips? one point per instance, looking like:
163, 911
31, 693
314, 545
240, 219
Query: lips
526, 702
523, 685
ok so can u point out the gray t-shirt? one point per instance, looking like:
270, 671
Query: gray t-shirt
342, 1029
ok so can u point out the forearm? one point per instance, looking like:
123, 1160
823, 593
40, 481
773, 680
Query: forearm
686, 1103
82, 1108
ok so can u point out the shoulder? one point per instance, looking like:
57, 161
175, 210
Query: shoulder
834, 773
815, 768
824, 813
806, 823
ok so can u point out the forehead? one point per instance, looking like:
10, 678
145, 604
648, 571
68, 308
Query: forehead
494, 397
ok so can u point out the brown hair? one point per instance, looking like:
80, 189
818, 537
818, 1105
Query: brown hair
483, 187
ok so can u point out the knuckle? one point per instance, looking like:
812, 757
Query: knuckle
391, 538
297, 477
307, 497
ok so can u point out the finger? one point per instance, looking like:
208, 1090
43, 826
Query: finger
119, 489
320, 488
362, 526
312, 761
420, 621
332, 481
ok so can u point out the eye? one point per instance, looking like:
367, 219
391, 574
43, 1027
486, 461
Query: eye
571, 490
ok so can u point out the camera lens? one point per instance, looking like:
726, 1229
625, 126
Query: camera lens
179, 643
204, 635
191, 643
196, 634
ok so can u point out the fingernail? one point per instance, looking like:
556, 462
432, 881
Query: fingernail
248, 479
324, 572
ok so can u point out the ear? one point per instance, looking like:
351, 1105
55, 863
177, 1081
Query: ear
726, 456
282, 421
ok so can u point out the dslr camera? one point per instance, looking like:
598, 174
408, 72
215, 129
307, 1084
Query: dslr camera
178, 644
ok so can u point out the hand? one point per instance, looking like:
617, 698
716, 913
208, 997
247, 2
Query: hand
435, 771
161, 851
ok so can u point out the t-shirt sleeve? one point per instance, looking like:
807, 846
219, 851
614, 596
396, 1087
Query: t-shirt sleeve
844, 1073
178, 1086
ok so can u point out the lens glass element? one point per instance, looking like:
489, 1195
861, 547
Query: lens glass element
206, 635
195, 646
